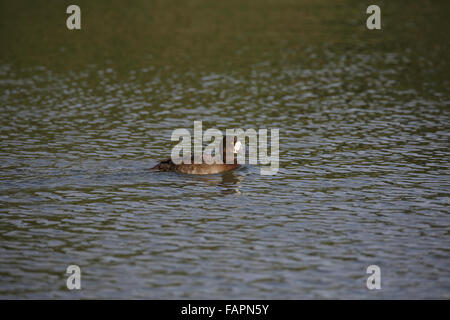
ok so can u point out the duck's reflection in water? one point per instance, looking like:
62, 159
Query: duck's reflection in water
229, 182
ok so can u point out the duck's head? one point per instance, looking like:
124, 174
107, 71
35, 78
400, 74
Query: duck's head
230, 145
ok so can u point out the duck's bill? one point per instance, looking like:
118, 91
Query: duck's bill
237, 146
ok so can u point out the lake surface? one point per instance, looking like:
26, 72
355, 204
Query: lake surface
364, 179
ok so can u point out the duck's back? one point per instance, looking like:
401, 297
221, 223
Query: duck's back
203, 168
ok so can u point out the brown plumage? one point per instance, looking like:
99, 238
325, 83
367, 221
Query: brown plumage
201, 168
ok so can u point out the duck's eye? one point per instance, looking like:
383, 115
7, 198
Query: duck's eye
237, 146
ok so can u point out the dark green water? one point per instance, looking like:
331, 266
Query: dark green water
364, 152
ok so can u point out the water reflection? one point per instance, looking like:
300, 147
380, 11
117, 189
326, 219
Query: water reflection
228, 182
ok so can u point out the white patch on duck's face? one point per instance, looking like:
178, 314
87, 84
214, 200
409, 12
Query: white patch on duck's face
237, 146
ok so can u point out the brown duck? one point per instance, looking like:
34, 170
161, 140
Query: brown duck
203, 168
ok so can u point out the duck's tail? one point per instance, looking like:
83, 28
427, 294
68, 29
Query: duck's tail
165, 165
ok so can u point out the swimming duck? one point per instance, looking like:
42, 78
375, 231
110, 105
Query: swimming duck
203, 168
